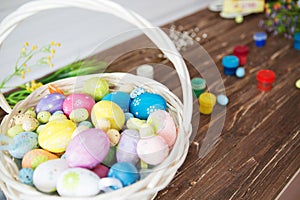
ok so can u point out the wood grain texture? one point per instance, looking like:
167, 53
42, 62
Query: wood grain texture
258, 150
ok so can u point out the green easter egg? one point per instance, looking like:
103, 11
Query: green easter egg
43, 116
96, 87
79, 115
15, 130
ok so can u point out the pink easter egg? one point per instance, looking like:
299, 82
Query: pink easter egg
77, 100
164, 126
101, 170
87, 149
152, 150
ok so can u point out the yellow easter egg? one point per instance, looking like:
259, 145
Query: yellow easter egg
110, 111
56, 135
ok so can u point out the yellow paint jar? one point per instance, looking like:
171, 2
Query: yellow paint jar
207, 102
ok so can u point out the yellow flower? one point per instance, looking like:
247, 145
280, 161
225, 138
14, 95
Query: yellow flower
58, 44
23, 50
24, 65
51, 65
33, 85
34, 47
26, 44
52, 51
28, 70
22, 72
52, 43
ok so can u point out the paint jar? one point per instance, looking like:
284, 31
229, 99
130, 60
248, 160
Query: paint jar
198, 86
297, 41
230, 64
145, 71
242, 53
260, 39
265, 79
207, 102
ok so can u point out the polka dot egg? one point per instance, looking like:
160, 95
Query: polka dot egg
51, 103
146, 103
77, 100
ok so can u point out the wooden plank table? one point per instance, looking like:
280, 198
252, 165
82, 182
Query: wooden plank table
257, 151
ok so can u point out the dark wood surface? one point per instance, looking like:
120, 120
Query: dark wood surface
257, 151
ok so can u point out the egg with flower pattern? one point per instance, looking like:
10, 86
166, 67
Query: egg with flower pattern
51, 103
143, 105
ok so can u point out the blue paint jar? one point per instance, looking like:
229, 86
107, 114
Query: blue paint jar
297, 41
230, 64
260, 39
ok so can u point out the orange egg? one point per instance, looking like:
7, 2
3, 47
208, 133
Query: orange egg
35, 157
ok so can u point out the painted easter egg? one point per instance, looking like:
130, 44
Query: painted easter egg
125, 172
51, 103
88, 148
26, 176
146, 103
122, 99
78, 182
101, 170
153, 150
46, 174
56, 135
96, 87
22, 143
79, 115
110, 111
126, 150
35, 157
164, 125
77, 100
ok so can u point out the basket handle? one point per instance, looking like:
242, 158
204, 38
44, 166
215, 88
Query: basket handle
158, 37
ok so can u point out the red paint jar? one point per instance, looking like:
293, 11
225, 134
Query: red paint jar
242, 53
265, 79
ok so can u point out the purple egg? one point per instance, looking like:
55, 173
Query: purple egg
51, 103
87, 149
126, 150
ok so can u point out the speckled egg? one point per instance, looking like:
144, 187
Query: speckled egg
15, 130
46, 174
96, 87
25, 176
56, 135
153, 150
122, 99
77, 100
79, 115
125, 172
78, 182
22, 143
164, 125
35, 157
126, 150
51, 103
88, 148
146, 103
110, 111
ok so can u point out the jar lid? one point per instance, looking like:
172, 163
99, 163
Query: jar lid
297, 36
266, 76
260, 36
241, 49
230, 61
207, 99
198, 83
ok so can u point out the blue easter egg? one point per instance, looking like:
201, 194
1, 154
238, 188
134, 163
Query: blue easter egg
126, 172
22, 143
222, 99
25, 176
122, 99
146, 103
51, 103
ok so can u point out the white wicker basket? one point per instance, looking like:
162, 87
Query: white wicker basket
159, 178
